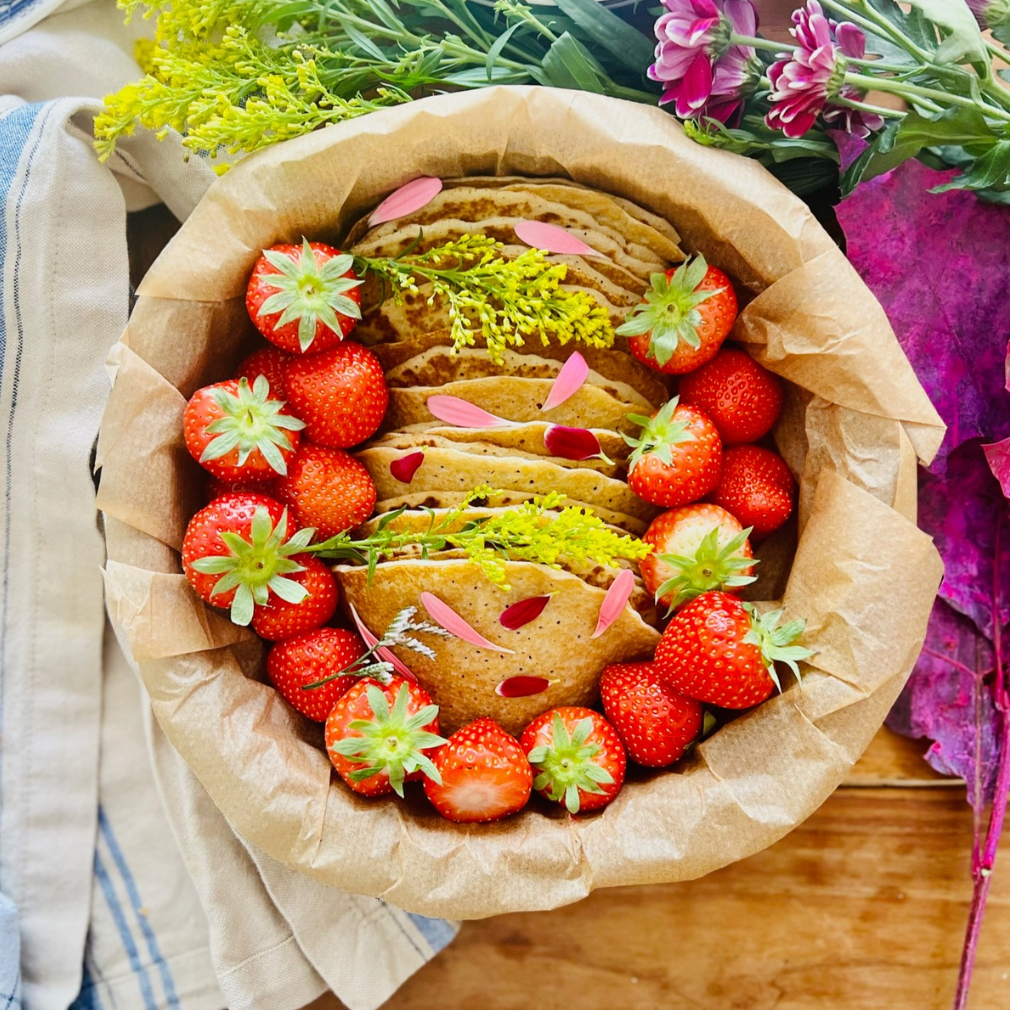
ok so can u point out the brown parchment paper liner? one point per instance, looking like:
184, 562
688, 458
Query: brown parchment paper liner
852, 432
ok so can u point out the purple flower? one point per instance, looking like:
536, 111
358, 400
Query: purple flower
805, 80
703, 73
990, 13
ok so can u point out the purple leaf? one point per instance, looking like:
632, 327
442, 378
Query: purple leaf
521, 613
568, 382
409, 197
552, 239
403, 468
939, 264
960, 509
615, 601
444, 616
998, 456
946, 701
522, 687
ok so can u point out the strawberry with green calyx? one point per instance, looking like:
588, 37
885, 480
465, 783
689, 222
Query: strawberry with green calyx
721, 651
677, 458
307, 658
376, 746
577, 757
696, 549
236, 553
756, 487
656, 724
239, 432
687, 314
485, 775
304, 298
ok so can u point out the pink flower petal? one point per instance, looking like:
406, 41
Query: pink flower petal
443, 615
409, 197
385, 654
552, 239
569, 381
523, 612
462, 413
571, 443
404, 467
615, 601
998, 455
522, 687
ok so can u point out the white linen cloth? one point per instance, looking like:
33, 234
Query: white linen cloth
121, 885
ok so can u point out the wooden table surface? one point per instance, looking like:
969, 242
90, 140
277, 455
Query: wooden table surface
861, 908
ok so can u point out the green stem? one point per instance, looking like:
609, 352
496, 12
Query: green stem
880, 110
891, 86
758, 43
877, 24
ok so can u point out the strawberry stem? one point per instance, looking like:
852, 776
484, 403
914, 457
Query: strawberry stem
982, 865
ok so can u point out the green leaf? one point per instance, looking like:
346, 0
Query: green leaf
495, 51
604, 28
906, 137
963, 40
366, 45
990, 169
569, 65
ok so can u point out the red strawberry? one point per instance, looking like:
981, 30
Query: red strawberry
304, 298
327, 489
686, 315
741, 398
485, 774
341, 395
378, 735
577, 757
655, 723
280, 619
238, 432
216, 488
695, 549
310, 657
268, 361
236, 554
718, 650
677, 458
757, 487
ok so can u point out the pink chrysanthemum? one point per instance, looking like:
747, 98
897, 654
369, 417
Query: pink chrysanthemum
704, 75
804, 81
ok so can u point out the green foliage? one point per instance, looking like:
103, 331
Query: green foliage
501, 300
234, 76
533, 531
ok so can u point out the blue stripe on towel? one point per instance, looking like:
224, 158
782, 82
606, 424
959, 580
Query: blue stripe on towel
112, 900
437, 932
168, 983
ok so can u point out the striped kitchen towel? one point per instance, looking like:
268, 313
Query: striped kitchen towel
121, 886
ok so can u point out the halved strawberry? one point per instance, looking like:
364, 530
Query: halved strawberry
655, 723
577, 757
304, 298
485, 774
374, 746
310, 657
236, 553
239, 432
677, 459
687, 314
696, 549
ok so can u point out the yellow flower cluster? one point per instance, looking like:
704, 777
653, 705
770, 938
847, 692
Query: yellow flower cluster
501, 300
